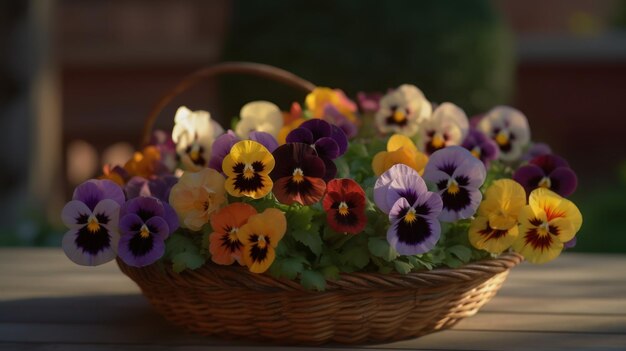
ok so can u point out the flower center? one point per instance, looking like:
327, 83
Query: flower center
399, 116
502, 138
93, 225
298, 175
543, 229
144, 232
343, 209
261, 242
438, 141
410, 216
545, 182
194, 154
476, 151
232, 235
248, 171
453, 187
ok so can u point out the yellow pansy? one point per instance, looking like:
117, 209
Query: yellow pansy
320, 97
247, 168
400, 149
546, 223
260, 236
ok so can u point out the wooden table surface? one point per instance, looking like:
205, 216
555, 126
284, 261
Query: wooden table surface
48, 303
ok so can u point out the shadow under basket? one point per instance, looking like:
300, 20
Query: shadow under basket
231, 302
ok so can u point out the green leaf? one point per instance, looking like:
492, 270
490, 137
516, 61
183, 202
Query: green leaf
402, 267
310, 238
453, 262
419, 263
463, 253
183, 252
331, 272
379, 247
313, 280
188, 259
356, 257
291, 267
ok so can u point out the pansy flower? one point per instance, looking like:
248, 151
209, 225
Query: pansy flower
225, 142
224, 245
413, 210
145, 223
321, 98
482, 147
536, 150
546, 223
400, 149
247, 168
344, 204
260, 116
167, 148
193, 133
328, 141
447, 126
146, 163
458, 176
298, 174
347, 124
116, 174
547, 171
508, 127
495, 227
196, 196
292, 119
92, 217
158, 187
369, 102
402, 110
260, 236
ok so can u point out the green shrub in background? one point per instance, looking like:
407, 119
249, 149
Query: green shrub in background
457, 51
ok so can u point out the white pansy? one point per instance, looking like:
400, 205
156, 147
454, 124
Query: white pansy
193, 133
402, 110
447, 126
260, 116
509, 128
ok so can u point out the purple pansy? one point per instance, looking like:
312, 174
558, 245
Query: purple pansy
458, 176
92, 217
369, 102
158, 187
413, 210
145, 223
328, 140
547, 171
333, 116
481, 146
167, 148
570, 244
536, 150
222, 145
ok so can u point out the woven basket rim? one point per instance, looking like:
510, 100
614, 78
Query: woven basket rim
211, 275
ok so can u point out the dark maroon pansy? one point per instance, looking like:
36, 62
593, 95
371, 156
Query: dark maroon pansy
547, 171
297, 174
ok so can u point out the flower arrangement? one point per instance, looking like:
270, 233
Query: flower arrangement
394, 183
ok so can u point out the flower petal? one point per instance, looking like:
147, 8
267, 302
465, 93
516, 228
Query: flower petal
75, 214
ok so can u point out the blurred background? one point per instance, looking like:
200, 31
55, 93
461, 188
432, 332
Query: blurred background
77, 78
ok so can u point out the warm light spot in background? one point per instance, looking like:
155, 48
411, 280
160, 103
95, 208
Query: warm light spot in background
82, 162
117, 154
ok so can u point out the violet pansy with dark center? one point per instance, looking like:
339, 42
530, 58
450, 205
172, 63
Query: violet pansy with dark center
92, 217
413, 210
480, 146
547, 171
458, 175
145, 223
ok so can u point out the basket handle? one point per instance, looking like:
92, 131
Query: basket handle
247, 68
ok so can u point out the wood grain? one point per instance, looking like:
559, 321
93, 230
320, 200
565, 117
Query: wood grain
48, 303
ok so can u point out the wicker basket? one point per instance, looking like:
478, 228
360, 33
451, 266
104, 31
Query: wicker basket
231, 302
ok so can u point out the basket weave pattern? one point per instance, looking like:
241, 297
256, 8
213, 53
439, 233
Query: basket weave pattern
231, 302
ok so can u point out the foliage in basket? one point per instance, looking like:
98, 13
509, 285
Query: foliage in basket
395, 184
